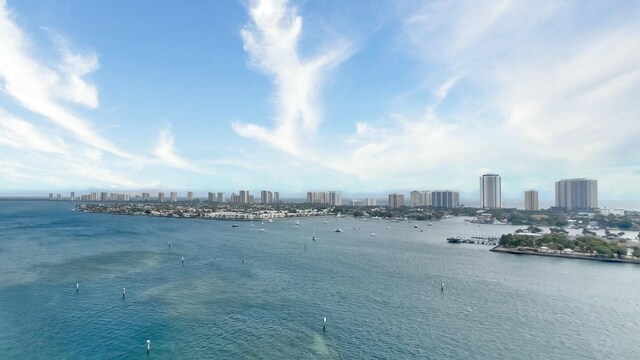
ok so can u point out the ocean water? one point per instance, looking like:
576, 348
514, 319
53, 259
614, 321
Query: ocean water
381, 294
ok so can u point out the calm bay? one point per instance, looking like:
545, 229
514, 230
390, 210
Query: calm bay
250, 293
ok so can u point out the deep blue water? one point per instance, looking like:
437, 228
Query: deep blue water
381, 294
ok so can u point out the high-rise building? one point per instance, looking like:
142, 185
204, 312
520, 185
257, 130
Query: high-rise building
490, 191
324, 198
220, 197
189, 196
161, 197
371, 201
146, 196
396, 200
276, 197
104, 196
445, 199
211, 197
174, 196
244, 197
356, 202
73, 196
420, 198
335, 198
531, 200
50, 196
266, 197
577, 194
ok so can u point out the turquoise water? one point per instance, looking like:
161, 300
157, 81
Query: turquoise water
381, 294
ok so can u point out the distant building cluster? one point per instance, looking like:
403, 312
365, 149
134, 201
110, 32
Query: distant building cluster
570, 194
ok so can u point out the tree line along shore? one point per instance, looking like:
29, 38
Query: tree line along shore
558, 243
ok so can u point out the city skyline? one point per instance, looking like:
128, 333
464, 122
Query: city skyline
355, 96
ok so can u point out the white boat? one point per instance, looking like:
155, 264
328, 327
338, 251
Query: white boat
270, 220
338, 230
373, 234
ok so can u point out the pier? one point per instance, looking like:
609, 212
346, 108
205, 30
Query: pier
475, 239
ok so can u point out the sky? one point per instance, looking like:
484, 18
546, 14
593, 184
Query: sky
364, 97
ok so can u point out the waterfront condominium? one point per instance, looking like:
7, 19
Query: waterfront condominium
445, 199
266, 197
420, 198
577, 194
324, 198
244, 197
161, 197
490, 194
531, 200
396, 200
189, 196
174, 196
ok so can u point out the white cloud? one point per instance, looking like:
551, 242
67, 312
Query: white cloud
165, 151
38, 87
64, 150
271, 39
538, 90
20, 134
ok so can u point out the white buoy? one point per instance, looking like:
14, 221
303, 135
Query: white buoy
124, 291
183, 260
441, 286
148, 345
169, 244
77, 286
324, 323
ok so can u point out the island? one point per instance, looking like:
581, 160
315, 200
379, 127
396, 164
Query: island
559, 244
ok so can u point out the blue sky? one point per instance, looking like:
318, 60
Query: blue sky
358, 96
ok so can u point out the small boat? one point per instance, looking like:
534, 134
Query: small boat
338, 230
431, 224
415, 226
270, 220
235, 225
373, 234
324, 222
454, 240
314, 234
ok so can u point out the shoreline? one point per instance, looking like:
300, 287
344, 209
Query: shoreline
516, 251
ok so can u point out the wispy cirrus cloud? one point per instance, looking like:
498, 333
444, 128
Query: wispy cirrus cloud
166, 153
516, 87
39, 88
64, 149
272, 41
